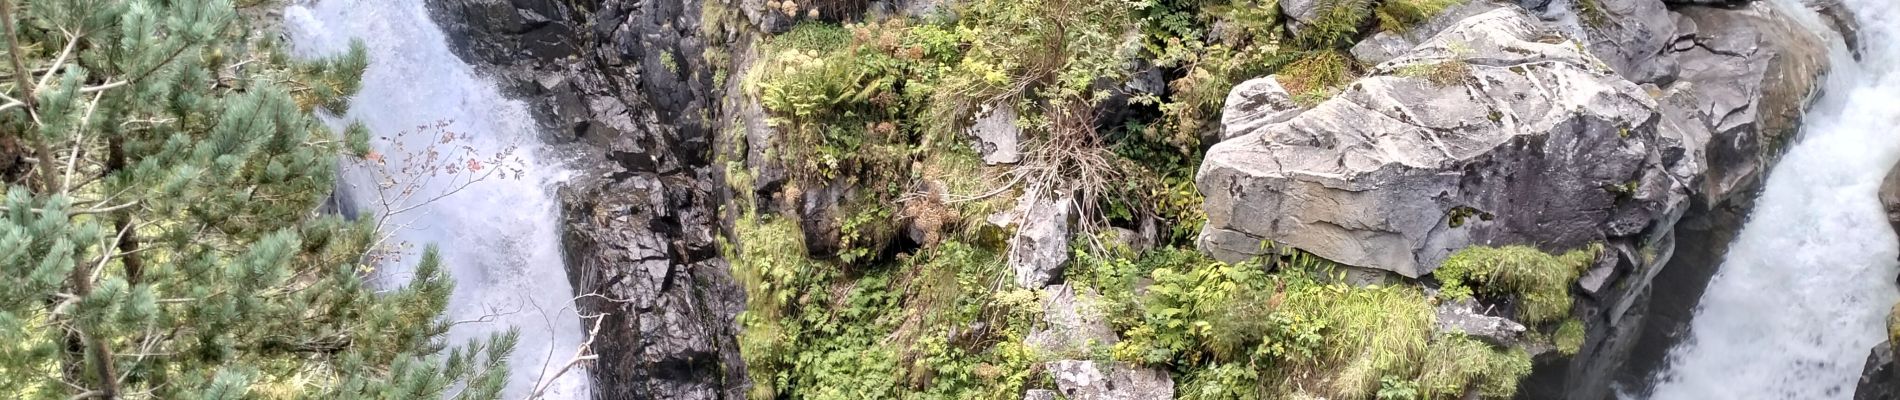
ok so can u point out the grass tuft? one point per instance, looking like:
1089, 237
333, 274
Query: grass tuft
1402, 15
1539, 281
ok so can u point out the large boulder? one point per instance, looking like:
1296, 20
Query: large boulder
1092, 380
1039, 251
1496, 131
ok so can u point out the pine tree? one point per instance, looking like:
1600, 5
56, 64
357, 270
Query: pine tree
159, 236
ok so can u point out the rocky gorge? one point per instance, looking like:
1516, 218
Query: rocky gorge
1644, 128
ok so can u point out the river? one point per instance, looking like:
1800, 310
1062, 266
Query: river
1803, 293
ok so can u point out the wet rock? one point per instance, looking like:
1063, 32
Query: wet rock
621, 88
1521, 138
1745, 76
1890, 196
1074, 323
1880, 379
1090, 380
1754, 72
1465, 317
1841, 19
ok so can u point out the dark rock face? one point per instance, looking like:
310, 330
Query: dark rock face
624, 90
1880, 379
1746, 76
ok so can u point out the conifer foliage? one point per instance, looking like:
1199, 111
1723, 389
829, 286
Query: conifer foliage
160, 235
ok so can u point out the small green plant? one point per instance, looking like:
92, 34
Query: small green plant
1396, 388
1442, 73
667, 61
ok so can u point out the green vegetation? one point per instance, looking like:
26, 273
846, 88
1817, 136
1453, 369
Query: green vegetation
1401, 15
158, 232
1539, 281
1442, 73
880, 106
1592, 13
1244, 331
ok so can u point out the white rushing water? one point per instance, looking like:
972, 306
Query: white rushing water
499, 238
1805, 289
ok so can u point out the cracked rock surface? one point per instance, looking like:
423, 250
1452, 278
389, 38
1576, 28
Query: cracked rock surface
1497, 130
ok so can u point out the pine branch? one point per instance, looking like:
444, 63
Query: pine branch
13, 50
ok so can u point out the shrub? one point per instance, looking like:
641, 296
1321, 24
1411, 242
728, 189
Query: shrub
1238, 331
1454, 364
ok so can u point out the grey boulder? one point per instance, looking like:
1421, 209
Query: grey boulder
1073, 323
1496, 131
1039, 251
1464, 317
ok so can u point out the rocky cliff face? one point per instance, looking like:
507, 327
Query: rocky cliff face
1490, 126
1880, 377
624, 90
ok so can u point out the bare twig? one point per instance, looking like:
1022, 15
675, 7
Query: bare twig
581, 355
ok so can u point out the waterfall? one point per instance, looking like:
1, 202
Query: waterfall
499, 238
1804, 292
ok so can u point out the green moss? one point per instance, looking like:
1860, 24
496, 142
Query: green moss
1401, 15
1592, 13
1893, 324
1539, 281
1569, 337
